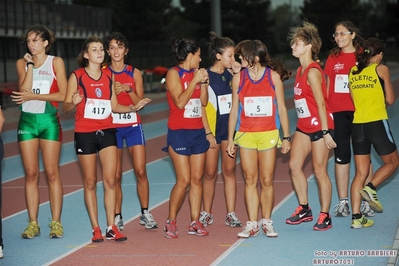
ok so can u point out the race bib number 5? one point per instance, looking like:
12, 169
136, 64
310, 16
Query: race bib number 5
258, 106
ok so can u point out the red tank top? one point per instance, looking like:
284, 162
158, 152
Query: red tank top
305, 104
94, 111
257, 109
124, 77
189, 117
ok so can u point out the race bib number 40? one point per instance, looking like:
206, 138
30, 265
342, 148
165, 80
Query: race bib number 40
193, 109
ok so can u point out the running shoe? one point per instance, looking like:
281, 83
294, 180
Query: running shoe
1, 252
341, 209
300, 215
361, 222
56, 229
370, 195
206, 218
251, 229
323, 223
170, 229
197, 228
31, 231
119, 222
268, 229
232, 220
366, 210
114, 234
97, 235
147, 220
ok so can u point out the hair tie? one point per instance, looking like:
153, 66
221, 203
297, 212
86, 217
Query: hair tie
367, 51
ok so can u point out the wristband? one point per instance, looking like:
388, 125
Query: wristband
287, 138
325, 132
130, 90
30, 63
209, 133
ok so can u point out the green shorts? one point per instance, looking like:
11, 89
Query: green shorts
42, 126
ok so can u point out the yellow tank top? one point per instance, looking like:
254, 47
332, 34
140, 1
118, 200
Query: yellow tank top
368, 95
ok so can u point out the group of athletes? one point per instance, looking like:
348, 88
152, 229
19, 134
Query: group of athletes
212, 112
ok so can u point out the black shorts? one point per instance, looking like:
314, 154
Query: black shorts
342, 136
377, 133
315, 136
93, 142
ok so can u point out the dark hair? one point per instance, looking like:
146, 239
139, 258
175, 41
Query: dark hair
249, 49
309, 34
83, 62
372, 47
357, 41
120, 39
182, 48
42, 32
217, 45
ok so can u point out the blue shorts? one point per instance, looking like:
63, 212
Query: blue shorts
187, 141
220, 138
133, 135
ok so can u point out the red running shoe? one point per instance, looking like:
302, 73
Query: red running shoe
197, 228
97, 235
114, 234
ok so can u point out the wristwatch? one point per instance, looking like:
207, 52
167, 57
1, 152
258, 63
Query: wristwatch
287, 138
325, 132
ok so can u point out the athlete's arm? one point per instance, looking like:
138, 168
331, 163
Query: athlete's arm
383, 72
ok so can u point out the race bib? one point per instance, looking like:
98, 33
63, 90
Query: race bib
258, 106
341, 84
97, 108
302, 109
35, 106
193, 109
126, 118
224, 102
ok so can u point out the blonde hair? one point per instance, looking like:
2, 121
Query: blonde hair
309, 34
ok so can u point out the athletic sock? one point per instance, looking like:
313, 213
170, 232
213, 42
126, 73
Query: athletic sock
143, 209
371, 186
305, 206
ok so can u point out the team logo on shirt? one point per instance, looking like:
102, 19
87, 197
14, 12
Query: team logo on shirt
99, 93
338, 66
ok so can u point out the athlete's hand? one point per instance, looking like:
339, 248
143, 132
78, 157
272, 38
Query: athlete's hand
140, 105
286, 146
19, 97
212, 141
119, 87
76, 97
231, 148
329, 141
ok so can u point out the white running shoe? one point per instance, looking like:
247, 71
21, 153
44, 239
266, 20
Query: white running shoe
232, 220
366, 210
341, 209
268, 229
251, 229
147, 220
206, 218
